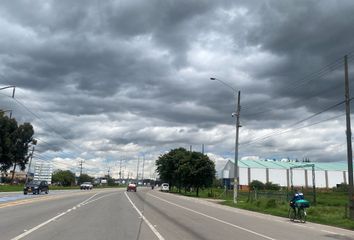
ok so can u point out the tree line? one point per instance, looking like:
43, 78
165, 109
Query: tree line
67, 178
15, 140
184, 169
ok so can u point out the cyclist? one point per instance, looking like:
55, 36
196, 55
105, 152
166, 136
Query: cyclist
297, 196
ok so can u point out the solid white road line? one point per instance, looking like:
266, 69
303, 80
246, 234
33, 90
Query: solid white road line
213, 218
94, 200
153, 229
54, 218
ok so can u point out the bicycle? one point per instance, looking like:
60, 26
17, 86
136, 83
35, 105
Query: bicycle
297, 213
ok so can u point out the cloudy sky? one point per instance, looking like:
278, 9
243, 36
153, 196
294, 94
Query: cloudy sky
110, 81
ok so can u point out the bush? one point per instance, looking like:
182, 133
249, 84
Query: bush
272, 186
271, 203
255, 184
343, 187
5, 180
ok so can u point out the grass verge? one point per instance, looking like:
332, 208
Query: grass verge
330, 208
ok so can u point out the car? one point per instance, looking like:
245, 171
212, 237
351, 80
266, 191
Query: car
131, 187
86, 186
165, 187
36, 187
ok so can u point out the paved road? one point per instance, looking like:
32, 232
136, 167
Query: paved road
146, 214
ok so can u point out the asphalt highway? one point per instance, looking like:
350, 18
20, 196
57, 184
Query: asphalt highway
145, 214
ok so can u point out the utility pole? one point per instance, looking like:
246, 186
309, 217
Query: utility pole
203, 148
29, 166
190, 148
237, 115
236, 175
143, 168
349, 140
137, 171
80, 163
120, 170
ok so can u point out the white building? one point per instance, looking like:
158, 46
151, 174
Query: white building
327, 175
43, 171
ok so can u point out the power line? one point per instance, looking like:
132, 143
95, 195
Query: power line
292, 125
295, 87
305, 80
48, 125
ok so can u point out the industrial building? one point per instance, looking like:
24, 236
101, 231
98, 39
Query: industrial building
287, 173
43, 171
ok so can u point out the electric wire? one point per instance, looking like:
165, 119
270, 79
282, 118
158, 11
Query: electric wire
277, 132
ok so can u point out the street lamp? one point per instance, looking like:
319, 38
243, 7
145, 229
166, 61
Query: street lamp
237, 115
5, 111
13, 91
13, 96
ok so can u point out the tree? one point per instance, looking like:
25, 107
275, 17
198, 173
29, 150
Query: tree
110, 180
22, 137
14, 143
84, 178
255, 184
202, 171
168, 164
271, 186
7, 127
63, 178
182, 168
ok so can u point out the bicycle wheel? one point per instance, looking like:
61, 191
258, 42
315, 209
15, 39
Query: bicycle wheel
302, 215
291, 214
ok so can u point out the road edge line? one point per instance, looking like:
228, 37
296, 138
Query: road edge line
46, 222
153, 229
213, 218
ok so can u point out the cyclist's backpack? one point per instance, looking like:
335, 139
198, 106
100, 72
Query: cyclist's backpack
302, 203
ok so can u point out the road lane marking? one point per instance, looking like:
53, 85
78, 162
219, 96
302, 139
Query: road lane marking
52, 219
153, 229
94, 200
213, 218
37, 227
88, 199
309, 225
38, 199
332, 232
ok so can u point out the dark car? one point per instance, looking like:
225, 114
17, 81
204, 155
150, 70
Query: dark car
36, 187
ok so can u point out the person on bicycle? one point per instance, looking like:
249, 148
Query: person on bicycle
297, 196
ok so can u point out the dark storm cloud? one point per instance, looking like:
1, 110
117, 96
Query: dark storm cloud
137, 72
306, 34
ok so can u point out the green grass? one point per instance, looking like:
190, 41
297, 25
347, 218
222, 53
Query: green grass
11, 188
330, 208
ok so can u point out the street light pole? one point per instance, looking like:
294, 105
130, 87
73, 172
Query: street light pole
236, 173
5, 111
13, 91
237, 122
13, 95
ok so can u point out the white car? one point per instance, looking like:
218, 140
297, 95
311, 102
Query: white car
165, 187
86, 185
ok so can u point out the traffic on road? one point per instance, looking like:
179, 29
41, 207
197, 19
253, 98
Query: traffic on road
146, 214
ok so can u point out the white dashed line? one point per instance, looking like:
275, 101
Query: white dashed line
153, 229
53, 219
